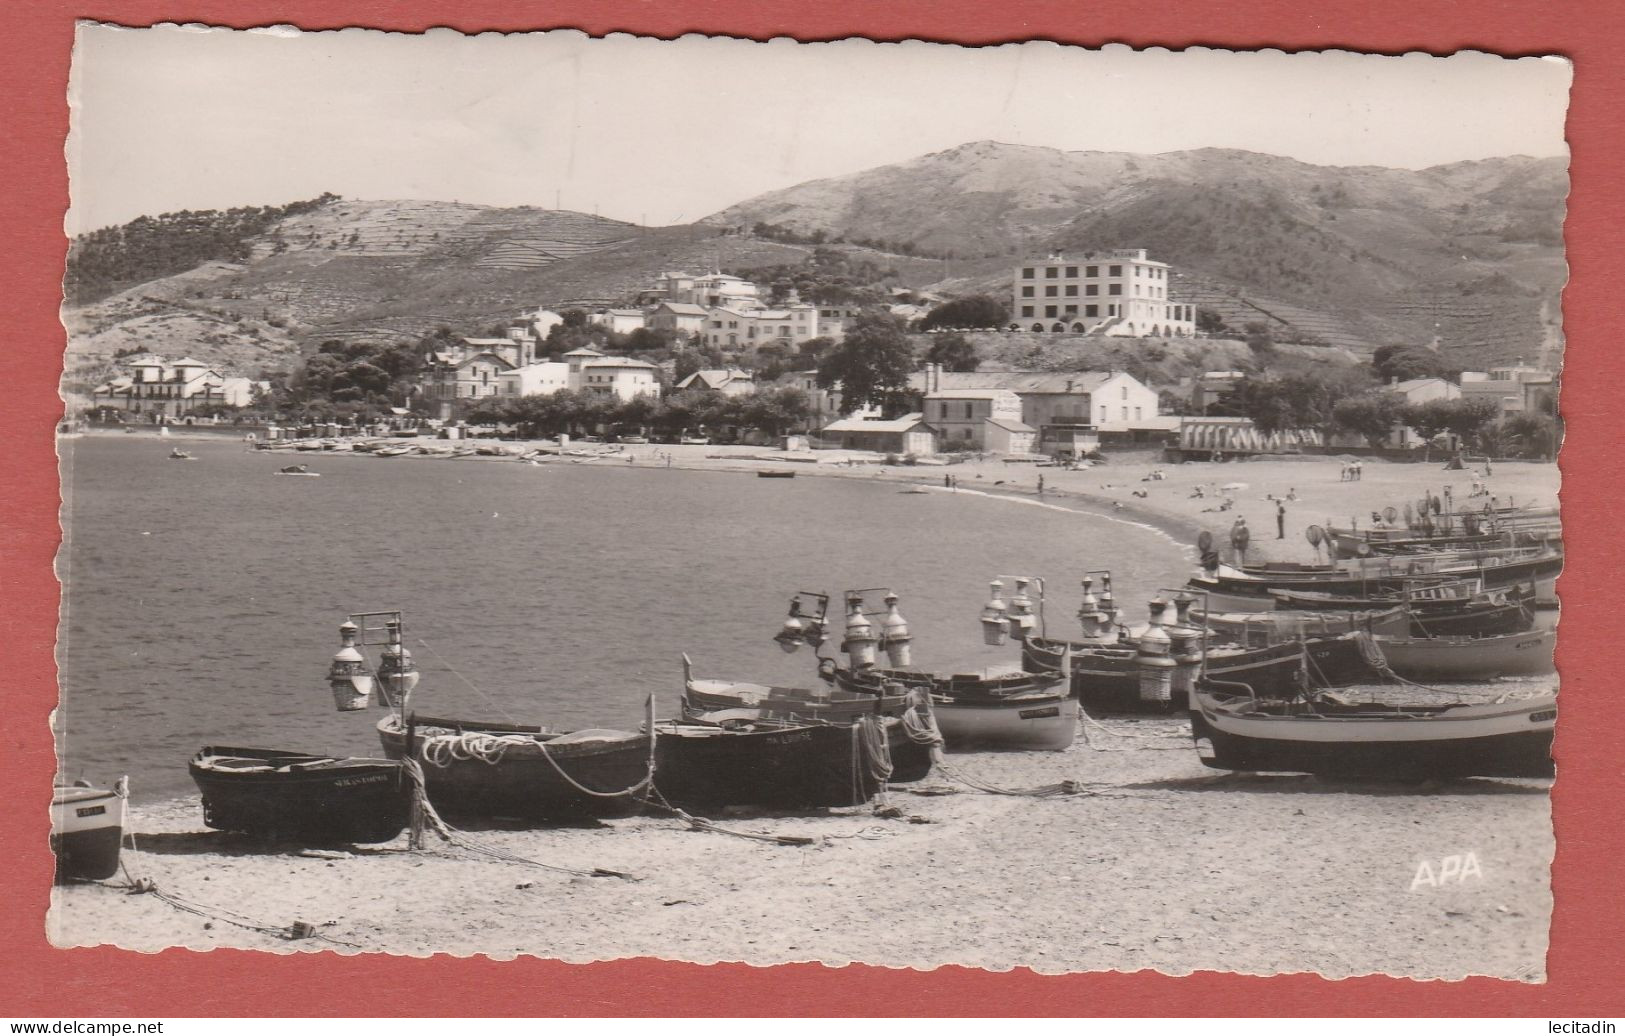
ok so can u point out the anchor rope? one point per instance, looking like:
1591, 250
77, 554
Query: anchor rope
467, 682
424, 814
441, 750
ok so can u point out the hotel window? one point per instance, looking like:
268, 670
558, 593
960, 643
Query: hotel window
1072, 311
1136, 413
1027, 273
1091, 289
1091, 271
1116, 271
1049, 291
1051, 271
1049, 311
1114, 289
970, 411
1091, 310
1071, 271
1026, 311
1072, 291
1026, 291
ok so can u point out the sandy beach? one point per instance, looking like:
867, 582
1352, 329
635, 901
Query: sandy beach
1154, 863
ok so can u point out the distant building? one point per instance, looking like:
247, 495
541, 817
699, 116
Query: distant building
834, 320
1514, 389
617, 321
984, 420
1202, 438
455, 381
534, 379
730, 382
744, 328
1058, 406
161, 390
1414, 391
680, 317
620, 377
1214, 386
1118, 293
903, 435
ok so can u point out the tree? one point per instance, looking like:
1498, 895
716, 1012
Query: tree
1372, 415
1404, 362
1296, 401
1259, 339
871, 364
689, 361
955, 352
1467, 419
971, 311
1210, 322
1530, 435
1173, 404
772, 410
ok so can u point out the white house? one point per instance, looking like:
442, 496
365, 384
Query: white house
620, 377
161, 389
534, 379
1054, 404
729, 382
619, 321
1120, 292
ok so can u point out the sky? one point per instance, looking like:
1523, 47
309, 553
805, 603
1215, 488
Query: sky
662, 132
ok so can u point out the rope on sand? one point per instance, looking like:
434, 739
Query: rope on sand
702, 824
1089, 721
425, 816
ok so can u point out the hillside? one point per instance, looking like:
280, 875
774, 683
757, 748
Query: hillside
1356, 257
389, 270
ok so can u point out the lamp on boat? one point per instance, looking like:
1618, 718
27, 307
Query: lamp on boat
1108, 603
995, 617
800, 628
349, 676
860, 641
397, 673
895, 636
1155, 665
1089, 610
1021, 620
1182, 608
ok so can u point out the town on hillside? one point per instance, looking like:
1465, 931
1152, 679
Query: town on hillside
907, 373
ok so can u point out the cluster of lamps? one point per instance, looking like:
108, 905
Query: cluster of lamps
353, 681
862, 635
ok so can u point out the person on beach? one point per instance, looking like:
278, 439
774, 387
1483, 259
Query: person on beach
1280, 520
1292, 494
1040, 485
947, 481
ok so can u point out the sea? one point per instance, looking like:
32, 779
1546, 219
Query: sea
202, 598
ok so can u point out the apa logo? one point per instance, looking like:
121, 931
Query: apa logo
1455, 869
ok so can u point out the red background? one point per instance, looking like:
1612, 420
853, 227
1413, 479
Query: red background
1588, 878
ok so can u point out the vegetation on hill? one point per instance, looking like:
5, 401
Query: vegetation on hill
828, 277
691, 412
147, 248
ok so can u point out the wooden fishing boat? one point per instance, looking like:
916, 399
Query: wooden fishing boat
87, 830
1471, 658
1257, 629
1457, 607
1370, 577
729, 702
291, 796
485, 769
758, 761
1005, 710
1107, 679
775, 474
1325, 736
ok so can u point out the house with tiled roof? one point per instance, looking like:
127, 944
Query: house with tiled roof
1056, 404
730, 381
162, 390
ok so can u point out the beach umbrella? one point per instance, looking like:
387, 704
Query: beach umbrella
1315, 535
1389, 513
1410, 516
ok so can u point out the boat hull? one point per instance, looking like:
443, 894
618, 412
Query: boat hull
87, 831
1041, 723
1108, 679
523, 781
1471, 658
1513, 740
1392, 576
793, 767
290, 796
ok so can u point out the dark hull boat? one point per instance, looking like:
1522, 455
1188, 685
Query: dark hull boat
1434, 611
1379, 577
1256, 629
87, 831
804, 704
1507, 739
1108, 679
479, 769
739, 762
1018, 711
290, 796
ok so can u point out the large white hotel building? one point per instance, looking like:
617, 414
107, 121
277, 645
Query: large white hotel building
1118, 292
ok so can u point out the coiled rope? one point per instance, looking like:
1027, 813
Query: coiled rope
441, 750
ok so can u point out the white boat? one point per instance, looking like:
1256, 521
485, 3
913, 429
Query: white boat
87, 829
1471, 658
1035, 721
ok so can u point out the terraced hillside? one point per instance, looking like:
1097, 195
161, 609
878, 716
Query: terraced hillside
384, 271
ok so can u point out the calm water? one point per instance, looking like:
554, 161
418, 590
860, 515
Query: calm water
203, 598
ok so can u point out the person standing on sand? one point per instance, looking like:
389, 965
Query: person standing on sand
1040, 485
1280, 520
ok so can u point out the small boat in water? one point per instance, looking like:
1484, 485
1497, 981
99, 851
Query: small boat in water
775, 474
179, 454
299, 469
292, 796
485, 769
1336, 738
87, 830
